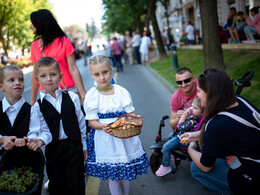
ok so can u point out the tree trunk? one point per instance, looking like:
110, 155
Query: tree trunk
139, 25
147, 19
166, 5
213, 55
157, 33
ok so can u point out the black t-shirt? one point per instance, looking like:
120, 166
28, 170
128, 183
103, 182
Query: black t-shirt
225, 136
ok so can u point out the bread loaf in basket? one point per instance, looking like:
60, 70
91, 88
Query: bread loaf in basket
126, 126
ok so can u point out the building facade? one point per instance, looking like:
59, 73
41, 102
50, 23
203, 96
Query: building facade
180, 11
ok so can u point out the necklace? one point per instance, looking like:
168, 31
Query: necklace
105, 89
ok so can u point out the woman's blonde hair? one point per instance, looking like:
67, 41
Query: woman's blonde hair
98, 59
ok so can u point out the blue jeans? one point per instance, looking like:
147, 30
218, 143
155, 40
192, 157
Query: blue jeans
118, 63
249, 31
173, 143
214, 180
137, 55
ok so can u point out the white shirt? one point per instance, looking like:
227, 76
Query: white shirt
190, 31
37, 129
56, 103
136, 40
145, 42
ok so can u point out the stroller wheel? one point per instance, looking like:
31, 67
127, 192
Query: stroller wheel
155, 161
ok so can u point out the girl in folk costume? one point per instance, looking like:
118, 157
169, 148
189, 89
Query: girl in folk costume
110, 157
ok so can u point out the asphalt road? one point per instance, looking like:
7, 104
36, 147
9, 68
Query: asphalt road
152, 101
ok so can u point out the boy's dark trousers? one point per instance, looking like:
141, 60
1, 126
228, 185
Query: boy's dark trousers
65, 167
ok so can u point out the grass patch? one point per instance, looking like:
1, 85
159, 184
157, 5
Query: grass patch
237, 63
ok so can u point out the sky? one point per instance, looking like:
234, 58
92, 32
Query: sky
77, 12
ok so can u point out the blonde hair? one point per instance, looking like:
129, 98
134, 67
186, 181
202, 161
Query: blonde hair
98, 59
9, 67
197, 101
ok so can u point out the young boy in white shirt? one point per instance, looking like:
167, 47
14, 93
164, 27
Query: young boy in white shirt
61, 110
19, 122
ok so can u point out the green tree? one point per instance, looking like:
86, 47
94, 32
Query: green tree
15, 22
91, 29
123, 15
129, 15
157, 33
78, 29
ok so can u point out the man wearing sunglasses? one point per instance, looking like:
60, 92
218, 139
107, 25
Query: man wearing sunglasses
182, 98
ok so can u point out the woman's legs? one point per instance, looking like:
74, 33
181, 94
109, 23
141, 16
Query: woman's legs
214, 180
249, 31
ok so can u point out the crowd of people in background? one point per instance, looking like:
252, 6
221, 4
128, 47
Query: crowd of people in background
241, 28
131, 49
4, 59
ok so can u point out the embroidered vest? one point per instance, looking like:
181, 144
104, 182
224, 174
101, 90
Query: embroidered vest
67, 115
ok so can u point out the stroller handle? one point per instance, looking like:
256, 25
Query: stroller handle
244, 81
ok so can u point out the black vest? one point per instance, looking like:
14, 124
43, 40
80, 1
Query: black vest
21, 124
68, 117
18, 156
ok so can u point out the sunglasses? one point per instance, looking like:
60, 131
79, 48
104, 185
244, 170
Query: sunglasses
185, 81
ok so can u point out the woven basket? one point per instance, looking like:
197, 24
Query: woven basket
124, 131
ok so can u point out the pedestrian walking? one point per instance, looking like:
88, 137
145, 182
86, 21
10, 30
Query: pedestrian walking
115, 46
136, 40
144, 48
130, 50
51, 41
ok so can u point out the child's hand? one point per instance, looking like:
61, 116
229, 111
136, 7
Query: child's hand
133, 114
19, 142
180, 113
107, 129
85, 153
190, 137
34, 144
188, 111
8, 142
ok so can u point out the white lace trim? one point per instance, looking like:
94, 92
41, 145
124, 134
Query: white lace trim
126, 159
